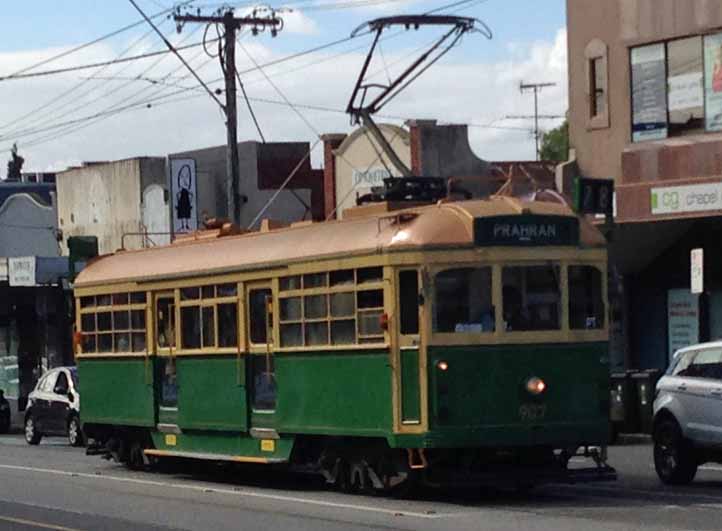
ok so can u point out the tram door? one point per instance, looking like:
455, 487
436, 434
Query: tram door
410, 349
260, 369
165, 346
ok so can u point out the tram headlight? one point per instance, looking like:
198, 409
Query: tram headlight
535, 386
442, 366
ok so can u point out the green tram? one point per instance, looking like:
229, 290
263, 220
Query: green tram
452, 342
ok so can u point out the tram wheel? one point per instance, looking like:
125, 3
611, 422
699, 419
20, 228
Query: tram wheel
136, 457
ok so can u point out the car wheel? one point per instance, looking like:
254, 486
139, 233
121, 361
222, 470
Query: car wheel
32, 435
75, 432
674, 457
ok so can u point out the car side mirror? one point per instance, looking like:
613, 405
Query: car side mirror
71, 397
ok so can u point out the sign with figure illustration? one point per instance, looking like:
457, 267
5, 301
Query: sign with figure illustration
184, 198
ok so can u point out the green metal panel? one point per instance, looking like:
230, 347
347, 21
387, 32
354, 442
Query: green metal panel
117, 391
222, 444
410, 398
334, 393
212, 393
481, 400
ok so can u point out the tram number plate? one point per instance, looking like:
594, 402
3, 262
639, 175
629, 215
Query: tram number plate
532, 411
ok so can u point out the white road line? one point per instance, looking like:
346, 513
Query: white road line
241, 493
33, 523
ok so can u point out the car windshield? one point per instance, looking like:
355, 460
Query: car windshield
74, 375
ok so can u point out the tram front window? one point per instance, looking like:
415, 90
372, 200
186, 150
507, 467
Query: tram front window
532, 298
586, 305
463, 301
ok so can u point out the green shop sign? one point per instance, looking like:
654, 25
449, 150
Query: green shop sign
690, 198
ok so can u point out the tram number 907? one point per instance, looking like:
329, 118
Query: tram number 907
532, 411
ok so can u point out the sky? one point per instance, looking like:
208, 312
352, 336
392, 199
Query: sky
155, 107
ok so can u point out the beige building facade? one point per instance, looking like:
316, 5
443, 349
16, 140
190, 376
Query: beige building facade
645, 109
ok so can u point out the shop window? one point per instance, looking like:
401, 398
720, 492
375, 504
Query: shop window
113, 323
685, 82
649, 92
342, 307
595, 54
463, 301
586, 305
531, 298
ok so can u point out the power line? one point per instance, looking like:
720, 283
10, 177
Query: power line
250, 109
74, 125
178, 55
28, 131
18, 73
71, 89
99, 64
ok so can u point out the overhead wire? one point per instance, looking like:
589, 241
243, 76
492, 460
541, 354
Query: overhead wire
103, 96
87, 44
156, 101
61, 96
110, 110
177, 54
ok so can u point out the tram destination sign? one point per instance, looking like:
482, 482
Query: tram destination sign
526, 230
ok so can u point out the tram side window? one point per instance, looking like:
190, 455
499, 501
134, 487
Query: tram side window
209, 316
258, 314
586, 305
409, 301
165, 320
169, 384
531, 298
113, 323
342, 307
463, 301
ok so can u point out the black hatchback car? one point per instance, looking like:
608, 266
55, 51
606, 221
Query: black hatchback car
54, 407
4, 413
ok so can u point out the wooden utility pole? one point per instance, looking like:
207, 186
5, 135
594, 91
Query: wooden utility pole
231, 25
536, 88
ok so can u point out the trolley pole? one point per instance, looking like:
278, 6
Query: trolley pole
231, 25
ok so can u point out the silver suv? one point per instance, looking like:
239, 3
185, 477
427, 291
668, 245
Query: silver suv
688, 413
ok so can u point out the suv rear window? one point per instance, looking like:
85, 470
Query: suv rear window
706, 364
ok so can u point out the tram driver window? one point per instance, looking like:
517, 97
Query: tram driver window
531, 298
586, 305
463, 301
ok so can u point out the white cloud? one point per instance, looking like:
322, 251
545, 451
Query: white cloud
460, 92
296, 22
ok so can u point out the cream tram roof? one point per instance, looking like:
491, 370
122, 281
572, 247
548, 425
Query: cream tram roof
443, 225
